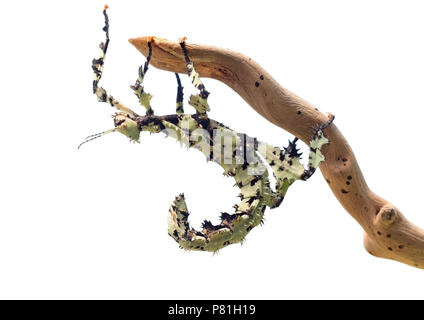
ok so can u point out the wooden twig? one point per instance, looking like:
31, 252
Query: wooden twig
388, 234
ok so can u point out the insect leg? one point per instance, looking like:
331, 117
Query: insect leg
198, 101
315, 155
286, 166
180, 95
97, 66
144, 97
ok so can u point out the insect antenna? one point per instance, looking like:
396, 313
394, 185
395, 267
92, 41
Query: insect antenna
95, 136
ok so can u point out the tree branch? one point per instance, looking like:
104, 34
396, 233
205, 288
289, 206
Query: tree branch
388, 234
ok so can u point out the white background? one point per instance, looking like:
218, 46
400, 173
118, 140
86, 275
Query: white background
91, 223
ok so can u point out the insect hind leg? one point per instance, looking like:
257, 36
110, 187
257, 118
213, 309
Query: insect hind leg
315, 155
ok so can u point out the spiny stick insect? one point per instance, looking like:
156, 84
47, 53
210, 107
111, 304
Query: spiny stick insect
241, 156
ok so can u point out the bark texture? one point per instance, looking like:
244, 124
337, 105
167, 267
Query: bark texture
388, 234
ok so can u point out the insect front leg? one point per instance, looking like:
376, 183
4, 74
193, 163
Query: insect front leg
125, 120
144, 97
97, 66
198, 101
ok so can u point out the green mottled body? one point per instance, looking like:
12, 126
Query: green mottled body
240, 156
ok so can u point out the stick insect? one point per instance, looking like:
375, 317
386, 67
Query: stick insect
242, 157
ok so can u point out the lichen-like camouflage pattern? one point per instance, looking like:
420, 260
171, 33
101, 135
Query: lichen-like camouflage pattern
238, 154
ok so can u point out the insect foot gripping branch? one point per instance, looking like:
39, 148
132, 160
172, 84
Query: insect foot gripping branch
242, 157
